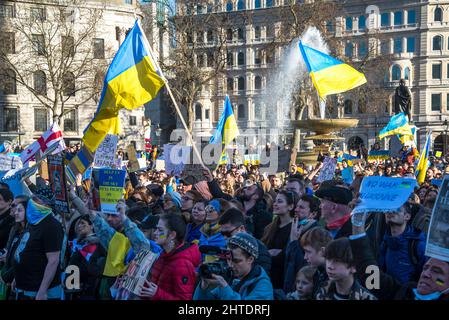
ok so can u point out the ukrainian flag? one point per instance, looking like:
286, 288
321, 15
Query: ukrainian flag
405, 138
227, 129
132, 80
329, 75
421, 168
398, 125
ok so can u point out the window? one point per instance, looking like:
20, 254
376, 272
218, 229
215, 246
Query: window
241, 59
362, 22
329, 26
269, 3
241, 34
189, 38
229, 6
257, 83
209, 7
132, 120
230, 59
8, 41
257, 32
229, 34
437, 43
200, 60
407, 73
240, 5
69, 84
436, 102
210, 59
68, 46
210, 36
129, 1
411, 17
438, 15
241, 84
398, 18
270, 57
436, 71
411, 44
385, 47
258, 114
207, 114
199, 9
270, 31
447, 77
37, 14
349, 48
40, 120
257, 57
385, 19
230, 84
348, 107
99, 48
241, 114
38, 44
363, 50
10, 119
198, 111
200, 37
257, 4
70, 121
397, 45
396, 73
40, 83
348, 23
8, 82
361, 106
6, 11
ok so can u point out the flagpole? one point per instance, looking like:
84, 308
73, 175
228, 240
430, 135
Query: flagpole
170, 93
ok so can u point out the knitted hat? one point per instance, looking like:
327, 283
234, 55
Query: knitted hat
216, 204
246, 242
46, 195
176, 197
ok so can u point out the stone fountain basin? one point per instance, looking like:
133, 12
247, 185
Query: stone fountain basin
325, 126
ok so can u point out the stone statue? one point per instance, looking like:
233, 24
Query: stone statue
403, 100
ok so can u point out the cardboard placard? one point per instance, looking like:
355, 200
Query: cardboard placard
133, 163
112, 183
10, 162
43, 170
175, 158
328, 170
281, 159
105, 153
57, 179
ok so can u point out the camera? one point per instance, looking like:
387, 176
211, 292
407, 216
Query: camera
219, 267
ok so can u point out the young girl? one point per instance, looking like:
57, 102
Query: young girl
304, 284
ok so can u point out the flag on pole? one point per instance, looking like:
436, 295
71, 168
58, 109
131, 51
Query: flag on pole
421, 168
132, 80
51, 137
398, 125
329, 75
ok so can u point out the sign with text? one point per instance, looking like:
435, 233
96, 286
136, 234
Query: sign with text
175, 158
133, 163
105, 154
347, 174
253, 159
112, 183
10, 162
328, 169
56, 174
384, 194
193, 173
279, 160
438, 236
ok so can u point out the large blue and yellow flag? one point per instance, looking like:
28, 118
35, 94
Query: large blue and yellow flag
408, 139
329, 75
131, 81
227, 129
421, 168
398, 125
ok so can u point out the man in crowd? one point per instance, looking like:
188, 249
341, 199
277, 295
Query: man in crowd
6, 220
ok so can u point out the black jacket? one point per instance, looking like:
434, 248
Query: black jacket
6, 223
264, 259
216, 192
257, 218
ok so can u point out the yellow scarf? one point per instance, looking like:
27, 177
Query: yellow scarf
117, 250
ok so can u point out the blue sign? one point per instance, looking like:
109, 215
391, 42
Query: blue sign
112, 183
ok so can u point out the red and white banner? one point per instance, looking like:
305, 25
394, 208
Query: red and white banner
49, 138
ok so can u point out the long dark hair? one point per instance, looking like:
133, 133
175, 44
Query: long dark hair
23, 200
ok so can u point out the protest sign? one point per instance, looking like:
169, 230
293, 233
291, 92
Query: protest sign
56, 174
175, 158
438, 154
111, 182
133, 163
438, 236
328, 169
43, 170
253, 159
277, 161
384, 194
14, 179
160, 164
193, 173
105, 154
377, 155
347, 175
9, 162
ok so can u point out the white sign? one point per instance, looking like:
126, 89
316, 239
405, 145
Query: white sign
328, 170
10, 162
175, 158
105, 154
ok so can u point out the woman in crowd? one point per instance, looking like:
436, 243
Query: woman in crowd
188, 201
198, 219
210, 232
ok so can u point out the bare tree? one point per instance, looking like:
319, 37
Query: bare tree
54, 58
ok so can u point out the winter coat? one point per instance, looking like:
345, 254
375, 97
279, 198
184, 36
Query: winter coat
257, 218
193, 233
396, 254
264, 258
255, 286
328, 290
6, 224
174, 273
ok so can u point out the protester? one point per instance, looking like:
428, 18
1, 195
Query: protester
304, 284
210, 232
198, 219
6, 220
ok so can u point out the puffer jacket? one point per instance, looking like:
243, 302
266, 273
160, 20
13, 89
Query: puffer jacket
396, 252
174, 273
255, 286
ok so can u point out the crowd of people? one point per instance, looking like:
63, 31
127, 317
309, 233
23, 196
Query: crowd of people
236, 234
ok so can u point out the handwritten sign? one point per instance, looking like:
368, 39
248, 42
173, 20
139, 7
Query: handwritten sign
328, 170
175, 158
14, 179
438, 154
253, 159
438, 237
56, 174
383, 194
347, 174
133, 163
105, 154
10, 162
111, 182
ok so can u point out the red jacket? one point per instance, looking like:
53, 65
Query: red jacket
174, 273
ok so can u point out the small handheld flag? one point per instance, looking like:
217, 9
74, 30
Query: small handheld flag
421, 168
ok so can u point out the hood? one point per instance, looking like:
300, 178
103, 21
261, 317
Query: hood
36, 212
185, 251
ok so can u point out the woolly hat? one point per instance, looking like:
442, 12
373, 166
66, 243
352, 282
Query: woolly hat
176, 197
216, 204
246, 242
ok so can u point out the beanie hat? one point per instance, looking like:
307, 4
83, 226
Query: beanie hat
216, 204
176, 197
46, 195
246, 242
156, 189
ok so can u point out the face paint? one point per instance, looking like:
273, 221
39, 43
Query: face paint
439, 282
162, 236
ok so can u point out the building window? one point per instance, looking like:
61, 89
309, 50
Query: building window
230, 84
6, 11
38, 44
398, 18
269, 31
70, 121
198, 112
437, 43
396, 73
8, 83
397, 45
241, 59
362, 23
40, 83
241, 34
411, 44
411, 17
40, 120
348, 23
207, 114
385, 47
230, 59
201, 60
241, 114
240, 5
132, 120
8, 41
129, 1
37, 14
210, 36
348, 107
229, 34
209, 8
269, 3
269, 57
257, 4
257, 57
438, 15
257, 83
329, 26
363, 50
436, 101
258, 114
69, 84
436, 71
229, 6
407, 73
199, 9
10, 119
349, 49
385, 19
448, 77
210, 59
68, 46
241, 84
99, 48
257, 32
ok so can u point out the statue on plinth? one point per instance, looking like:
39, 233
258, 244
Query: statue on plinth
403, 100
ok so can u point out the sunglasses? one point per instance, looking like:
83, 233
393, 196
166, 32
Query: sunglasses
187, 198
